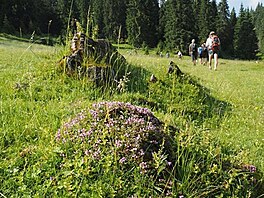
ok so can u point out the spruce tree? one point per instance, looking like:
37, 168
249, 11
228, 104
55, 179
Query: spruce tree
133, 24
150, 28
213, 16
170, 24
223, 27
196, 10
114, 18
245, 37
204, 20
180, 24
2, 13
63, 10
7, 27
259, 24
142, 22
188, 24
96, 18
162, 21
233, 21
83, 7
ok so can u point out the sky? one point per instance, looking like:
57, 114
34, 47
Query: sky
246, 3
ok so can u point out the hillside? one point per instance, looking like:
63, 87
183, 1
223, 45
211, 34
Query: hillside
204, 139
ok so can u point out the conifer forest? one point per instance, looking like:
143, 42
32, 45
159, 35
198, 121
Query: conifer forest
167, 24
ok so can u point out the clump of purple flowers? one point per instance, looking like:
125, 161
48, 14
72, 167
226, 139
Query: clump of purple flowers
129, 132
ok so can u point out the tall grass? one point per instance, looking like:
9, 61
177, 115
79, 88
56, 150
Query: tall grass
219, 129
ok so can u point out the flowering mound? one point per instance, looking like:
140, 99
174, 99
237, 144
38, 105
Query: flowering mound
116, 149
127, 132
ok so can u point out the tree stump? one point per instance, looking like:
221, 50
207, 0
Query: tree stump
97, 59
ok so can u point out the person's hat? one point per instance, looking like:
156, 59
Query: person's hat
212, 33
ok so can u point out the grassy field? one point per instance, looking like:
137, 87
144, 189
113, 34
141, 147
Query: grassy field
37, 99
236, 82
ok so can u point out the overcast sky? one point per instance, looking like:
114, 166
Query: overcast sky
246, 3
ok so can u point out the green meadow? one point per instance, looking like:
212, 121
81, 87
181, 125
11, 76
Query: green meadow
236, 82
219, 115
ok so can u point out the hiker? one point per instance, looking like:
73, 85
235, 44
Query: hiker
213, 46
167, 54
193, 51
205, 56
179, 55
200, 53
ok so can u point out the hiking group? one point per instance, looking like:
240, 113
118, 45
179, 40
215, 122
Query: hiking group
207, 52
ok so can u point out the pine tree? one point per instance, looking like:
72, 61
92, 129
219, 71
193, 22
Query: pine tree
169, 19
150, 28
180, 25
245, 37
204, 20
188, 22
162, 20
63, 10
223, 27
213, 16
233, 21
7, 27
2, 13
196, 10
114, 18
133, 24
96, 18
142, 22
259, 24
83, 7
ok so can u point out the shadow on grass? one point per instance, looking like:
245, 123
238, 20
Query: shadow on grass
11, 37
180, 95
38, 40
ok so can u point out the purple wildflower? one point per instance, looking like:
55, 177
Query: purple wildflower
94, 114
58, 136
169, 163
122, 160
162, 180
252, 169
118, 143
169, 193
122, 125
133, 149
96, 154
87, 152
141, 152
143, 166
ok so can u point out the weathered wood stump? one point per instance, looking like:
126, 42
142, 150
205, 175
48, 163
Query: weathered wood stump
97, 59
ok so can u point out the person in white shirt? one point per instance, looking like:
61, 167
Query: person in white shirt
213, 47
179, 55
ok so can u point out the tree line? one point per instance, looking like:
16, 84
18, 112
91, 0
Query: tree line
165, 24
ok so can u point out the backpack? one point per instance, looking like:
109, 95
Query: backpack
216, 43
200, 50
